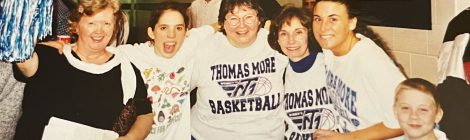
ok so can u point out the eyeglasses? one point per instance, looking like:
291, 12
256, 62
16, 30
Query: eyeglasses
247, 19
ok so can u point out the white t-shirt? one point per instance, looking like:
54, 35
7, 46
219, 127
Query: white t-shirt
204, 13
362, 85
439, 135
307, 104
240, 91
167, 82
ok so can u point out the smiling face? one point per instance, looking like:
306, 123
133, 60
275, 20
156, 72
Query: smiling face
168, 34
333, 28
293, 40
417, 113
241, 26
96, 31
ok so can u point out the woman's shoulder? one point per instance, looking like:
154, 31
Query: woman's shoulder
368, 50
200, 31
45, 48
136, 46
47, 52
134, 49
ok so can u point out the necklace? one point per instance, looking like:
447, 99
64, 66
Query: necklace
99, 58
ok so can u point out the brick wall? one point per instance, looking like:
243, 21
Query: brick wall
417, 50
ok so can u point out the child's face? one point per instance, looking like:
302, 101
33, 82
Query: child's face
416, 113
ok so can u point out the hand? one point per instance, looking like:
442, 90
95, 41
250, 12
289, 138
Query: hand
59, 45
267, 24
330, 135
216, 26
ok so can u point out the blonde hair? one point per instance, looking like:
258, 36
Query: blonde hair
421, 85
91, 7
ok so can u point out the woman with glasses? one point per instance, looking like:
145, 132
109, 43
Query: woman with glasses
239, 79
271, 9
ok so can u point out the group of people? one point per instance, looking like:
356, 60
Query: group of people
314, 74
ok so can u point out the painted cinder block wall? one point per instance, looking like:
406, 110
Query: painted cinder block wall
417, 50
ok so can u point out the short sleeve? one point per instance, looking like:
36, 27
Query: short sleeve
44, 53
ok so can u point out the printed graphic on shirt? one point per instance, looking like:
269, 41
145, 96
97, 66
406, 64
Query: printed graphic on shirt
310, 110
167, 91
300, 136
313, 119
344, 99
246, 86
308, 121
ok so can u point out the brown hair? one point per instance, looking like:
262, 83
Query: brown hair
91, 7
230, 5
353, 8
289, 12
163, 7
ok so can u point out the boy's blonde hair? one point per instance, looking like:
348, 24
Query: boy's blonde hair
420, 85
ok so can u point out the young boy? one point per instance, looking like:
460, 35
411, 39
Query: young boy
418, 110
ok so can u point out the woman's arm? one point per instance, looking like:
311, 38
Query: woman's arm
377, 131
140, 129
30, 66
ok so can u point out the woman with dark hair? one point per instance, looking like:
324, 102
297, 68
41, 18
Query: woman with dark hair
360, 76
271, 9
89, 84
305, 91
166, 62
239, 79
